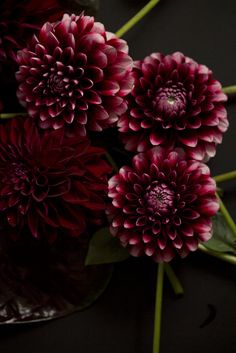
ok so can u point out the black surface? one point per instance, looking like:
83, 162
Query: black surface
121, 320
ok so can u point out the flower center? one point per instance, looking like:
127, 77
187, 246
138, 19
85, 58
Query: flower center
19, 171
170, 101
159, 198
26, 181
19, 175
56, 83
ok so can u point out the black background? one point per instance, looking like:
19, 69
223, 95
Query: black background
121, 321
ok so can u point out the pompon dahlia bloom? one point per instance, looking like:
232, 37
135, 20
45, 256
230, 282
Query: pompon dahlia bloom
162, 205
49, 183
76, 74
20, 19
175, 102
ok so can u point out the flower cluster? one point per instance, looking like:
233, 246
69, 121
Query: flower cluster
75, 78
163, 204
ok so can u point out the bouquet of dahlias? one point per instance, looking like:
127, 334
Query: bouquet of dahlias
102, 157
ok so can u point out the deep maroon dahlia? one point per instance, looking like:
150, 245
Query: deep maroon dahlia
162, 205
20, 19
175, 102
75, 73
49, 183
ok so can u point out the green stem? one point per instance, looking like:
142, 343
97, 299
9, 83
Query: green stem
174, 281
134, 20
229, 89
158, 309
224, 257
225, 177
229, 220
11, 115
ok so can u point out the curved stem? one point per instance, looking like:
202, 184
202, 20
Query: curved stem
225, 177
134, 20
158, 309
229, 220
11, 115
229, 89
174, 281
224, 257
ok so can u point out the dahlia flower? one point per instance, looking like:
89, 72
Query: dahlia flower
162, 205
75, 74
49, 183
175, 102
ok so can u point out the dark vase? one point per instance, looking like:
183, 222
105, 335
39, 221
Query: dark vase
40, 282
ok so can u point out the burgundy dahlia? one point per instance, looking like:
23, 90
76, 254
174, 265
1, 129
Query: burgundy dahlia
75, 73
162, 205
49, 183
175, 102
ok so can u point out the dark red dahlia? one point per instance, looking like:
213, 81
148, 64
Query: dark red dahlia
162, 205
49, 183
175, 102
75, 73
20, 19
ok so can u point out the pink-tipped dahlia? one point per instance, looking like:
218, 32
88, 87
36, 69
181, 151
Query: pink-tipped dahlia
162, 205
175, 102
76, 74
49, 183
20, 19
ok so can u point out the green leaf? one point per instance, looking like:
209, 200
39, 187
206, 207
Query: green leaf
223, 239
104, 249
